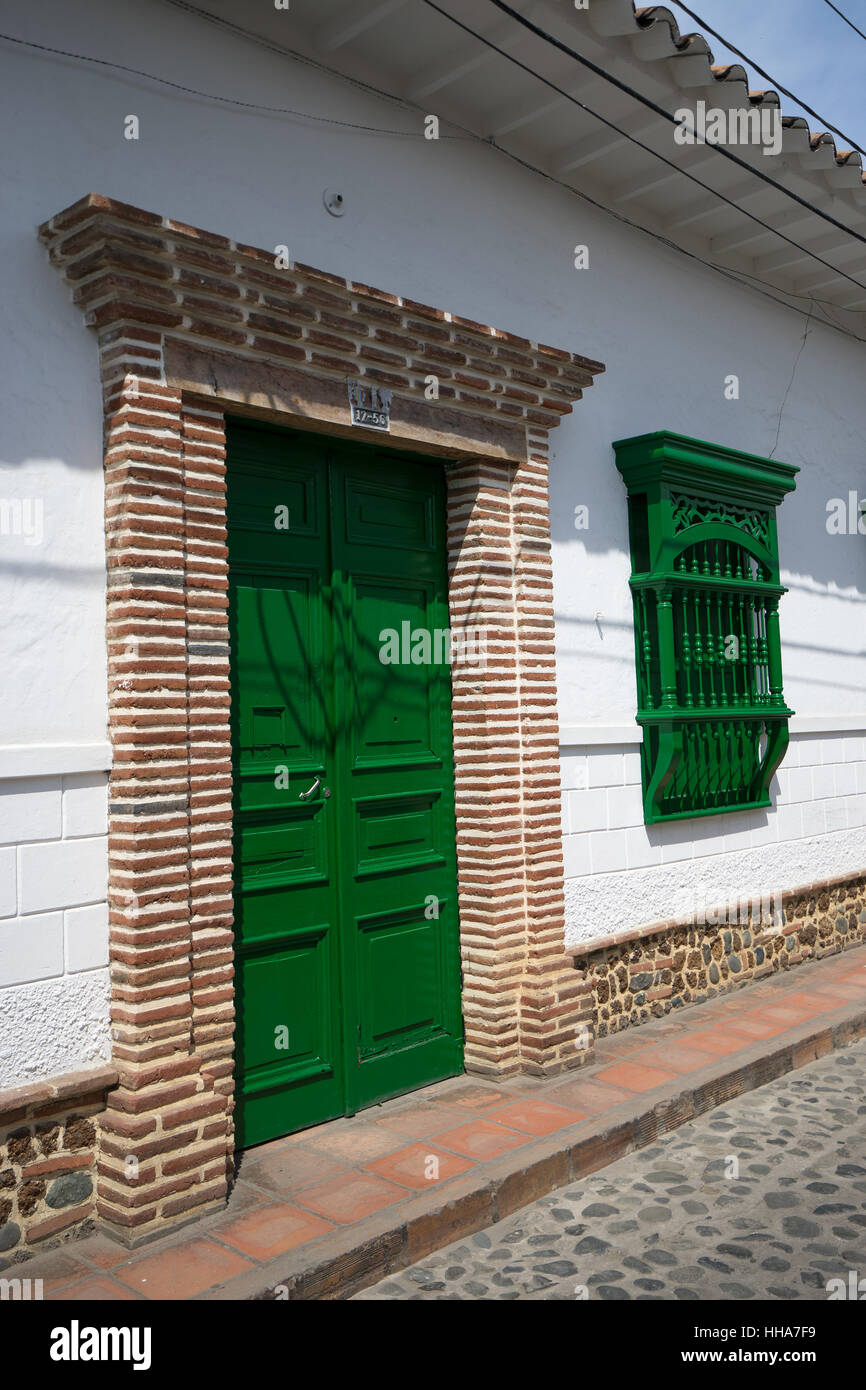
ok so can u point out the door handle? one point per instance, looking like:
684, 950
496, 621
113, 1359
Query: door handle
305, 796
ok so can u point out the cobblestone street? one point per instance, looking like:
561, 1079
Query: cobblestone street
764, 1197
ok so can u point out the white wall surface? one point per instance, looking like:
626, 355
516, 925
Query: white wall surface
621, 873
452, 223
53, 925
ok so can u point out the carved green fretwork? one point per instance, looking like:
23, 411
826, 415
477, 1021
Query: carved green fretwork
688, 511
706, 590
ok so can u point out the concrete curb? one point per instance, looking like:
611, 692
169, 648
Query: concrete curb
344, 1262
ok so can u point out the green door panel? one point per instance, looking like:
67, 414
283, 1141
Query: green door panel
345, 901
395, 764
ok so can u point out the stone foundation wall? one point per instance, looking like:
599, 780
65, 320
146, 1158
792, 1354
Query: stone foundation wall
48, 1152
645, 973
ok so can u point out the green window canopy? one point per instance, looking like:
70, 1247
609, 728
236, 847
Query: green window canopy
705, 587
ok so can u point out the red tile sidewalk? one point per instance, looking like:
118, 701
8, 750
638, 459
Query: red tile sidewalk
300, 1199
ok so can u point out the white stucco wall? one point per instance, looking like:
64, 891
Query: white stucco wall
53, 925
621, 873
452, 223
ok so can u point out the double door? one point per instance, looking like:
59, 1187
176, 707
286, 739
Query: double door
346, 931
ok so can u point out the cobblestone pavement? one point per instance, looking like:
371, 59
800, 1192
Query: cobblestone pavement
762, 1198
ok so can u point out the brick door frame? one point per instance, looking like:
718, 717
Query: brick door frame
192, 326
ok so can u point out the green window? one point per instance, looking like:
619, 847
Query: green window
706, 591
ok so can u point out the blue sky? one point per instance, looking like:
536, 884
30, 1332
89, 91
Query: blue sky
801, 43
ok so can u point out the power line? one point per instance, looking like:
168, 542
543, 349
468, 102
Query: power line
781, 296
826, 125
214, 96
757, 285
846, 19
284, 51
378, 130
776, 293
652, 105
774, 231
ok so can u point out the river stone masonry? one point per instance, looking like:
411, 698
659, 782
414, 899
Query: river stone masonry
644, 973
48, 1151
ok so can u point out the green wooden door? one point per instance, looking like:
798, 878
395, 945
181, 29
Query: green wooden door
345, 899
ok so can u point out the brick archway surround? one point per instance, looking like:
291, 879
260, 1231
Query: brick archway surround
191, 326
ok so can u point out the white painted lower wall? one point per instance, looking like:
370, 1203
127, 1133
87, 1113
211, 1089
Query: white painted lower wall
54, 988
621, 873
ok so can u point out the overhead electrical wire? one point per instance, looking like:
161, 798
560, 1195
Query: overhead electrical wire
777, 86
781, 296
739, 277
290, 111
842, 274
652, 106
850, 24
214, 96
776, 293
285, 51
766, 288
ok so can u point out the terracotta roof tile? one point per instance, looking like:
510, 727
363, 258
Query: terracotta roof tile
649, 16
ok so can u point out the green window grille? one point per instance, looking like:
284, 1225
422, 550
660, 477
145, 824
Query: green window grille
705, 586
